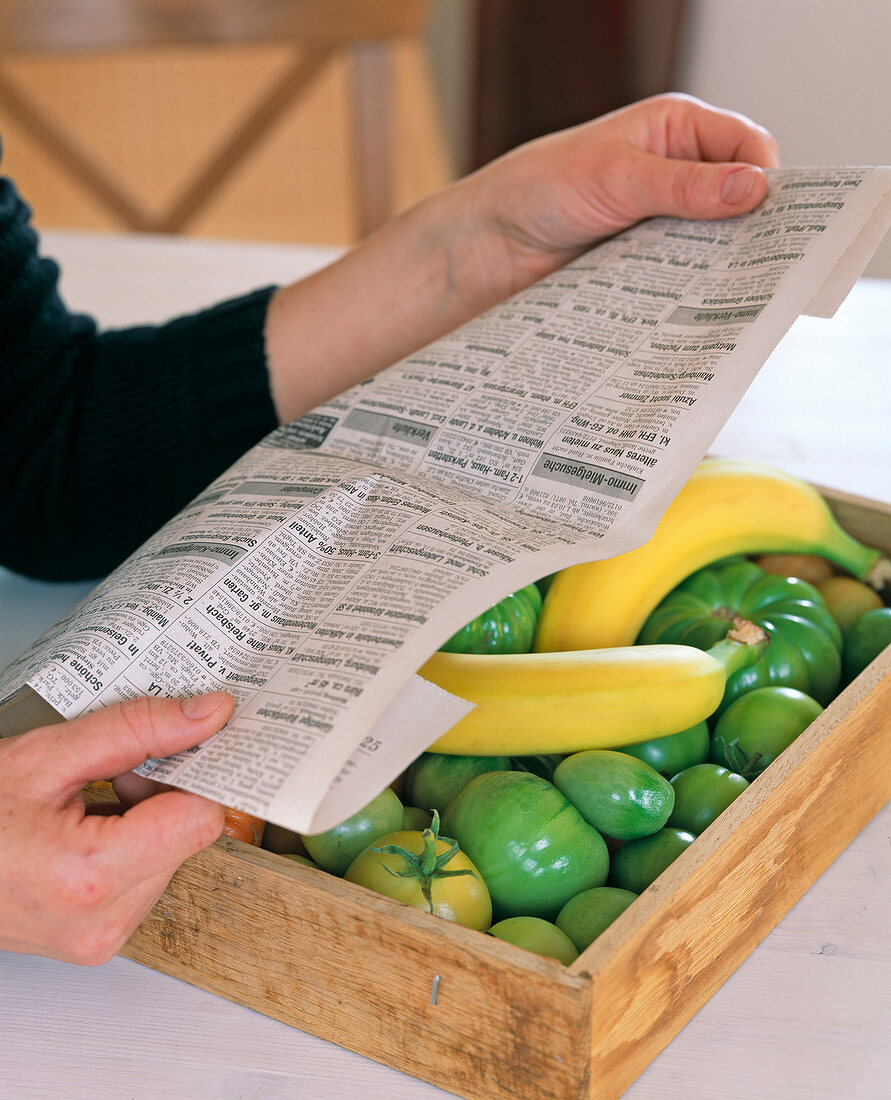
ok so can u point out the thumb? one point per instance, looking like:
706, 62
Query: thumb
116, 739
699, 189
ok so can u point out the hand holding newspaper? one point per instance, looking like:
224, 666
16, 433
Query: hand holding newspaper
317, 574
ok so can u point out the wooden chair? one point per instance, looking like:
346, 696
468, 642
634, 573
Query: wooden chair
319, 31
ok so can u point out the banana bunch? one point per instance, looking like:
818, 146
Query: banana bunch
728, 506
530, 703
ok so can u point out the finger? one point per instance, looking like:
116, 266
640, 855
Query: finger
155, 836
683, 127
692, 189
120, 738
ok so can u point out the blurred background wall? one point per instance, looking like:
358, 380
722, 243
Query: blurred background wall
817, 75
469, 79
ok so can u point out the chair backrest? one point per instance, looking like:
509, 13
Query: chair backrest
319, 30
47, 25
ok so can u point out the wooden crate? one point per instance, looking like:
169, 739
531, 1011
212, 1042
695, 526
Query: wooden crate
483, 1018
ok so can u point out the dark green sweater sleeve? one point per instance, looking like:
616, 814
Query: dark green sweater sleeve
106, 435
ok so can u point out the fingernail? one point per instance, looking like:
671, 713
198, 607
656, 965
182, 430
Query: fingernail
737, 186
200, 706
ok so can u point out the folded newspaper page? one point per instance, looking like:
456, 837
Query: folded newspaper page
315, 576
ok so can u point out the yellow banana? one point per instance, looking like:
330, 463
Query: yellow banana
530, 703
729, 506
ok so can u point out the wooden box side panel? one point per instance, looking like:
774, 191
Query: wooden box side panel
359, 970
867, 520
680, 941
461, 1010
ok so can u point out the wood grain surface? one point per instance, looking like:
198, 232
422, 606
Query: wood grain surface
481, 1018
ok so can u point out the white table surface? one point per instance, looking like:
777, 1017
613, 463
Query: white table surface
808, 1014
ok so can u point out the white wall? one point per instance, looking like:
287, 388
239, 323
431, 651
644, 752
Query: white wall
816, 73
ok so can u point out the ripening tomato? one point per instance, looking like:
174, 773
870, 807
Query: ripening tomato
846, 599
427, 871
806, 567
243, 826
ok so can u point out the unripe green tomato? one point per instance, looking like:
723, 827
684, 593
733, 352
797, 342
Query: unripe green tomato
805, 640
295, 858
433, 780
506, 627
758, 726
413, 817
670, 755
335, 849
639, 862
869, 634
530, 844
621, 796
541, 764
591, 912
536, 935
701, 794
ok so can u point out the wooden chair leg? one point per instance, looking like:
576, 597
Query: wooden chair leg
372, 133
245, 137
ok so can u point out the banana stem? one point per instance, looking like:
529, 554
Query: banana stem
742, 646
878, 577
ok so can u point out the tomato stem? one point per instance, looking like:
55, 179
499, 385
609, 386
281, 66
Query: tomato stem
427, 866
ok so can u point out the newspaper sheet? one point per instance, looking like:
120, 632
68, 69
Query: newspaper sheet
316, 575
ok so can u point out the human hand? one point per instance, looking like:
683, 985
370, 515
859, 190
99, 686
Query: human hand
75, 881
473, 244
547, 201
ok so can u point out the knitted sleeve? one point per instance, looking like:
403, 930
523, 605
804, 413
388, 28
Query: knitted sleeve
106, 435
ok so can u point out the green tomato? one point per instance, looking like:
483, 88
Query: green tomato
544, 583
428, 872
414, 818
621, 796
701, 793
335, 849
670, 755
433, 780
847, 598
531, 845
869, 634
591, 912
542, 765
295, 858
805, 640
758, 726
536, 935
506, 627
639, 862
